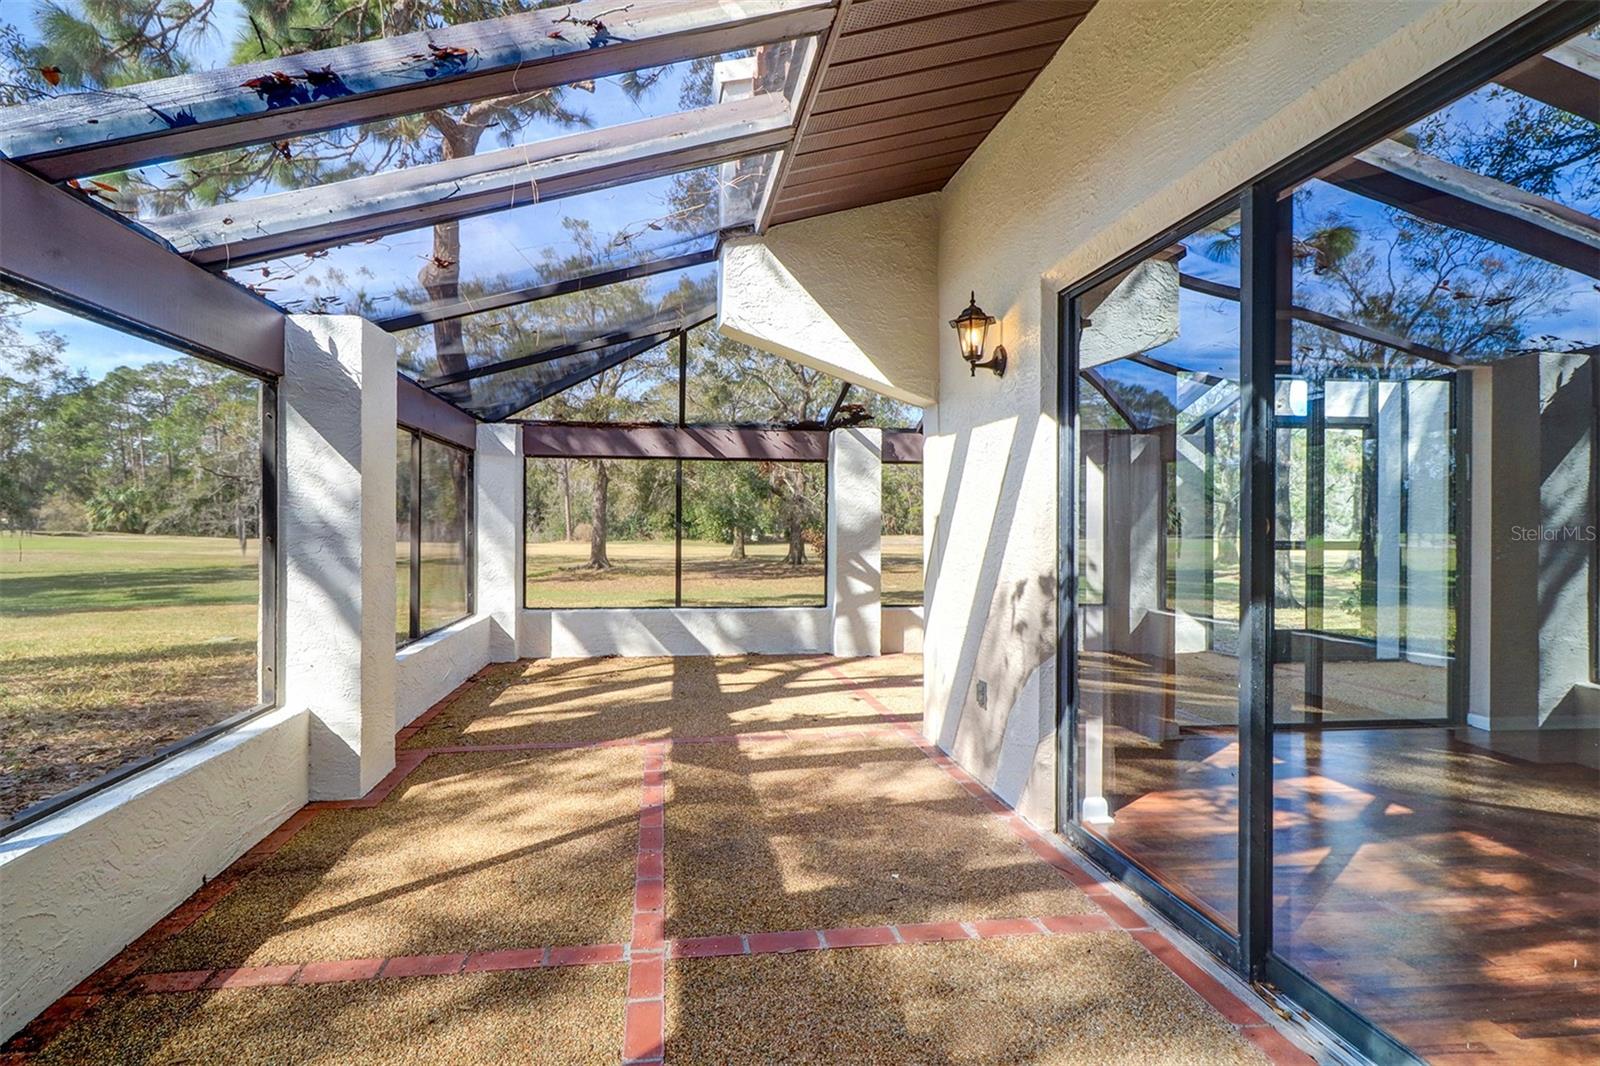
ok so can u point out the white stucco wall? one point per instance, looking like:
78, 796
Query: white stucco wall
851, 294
902, 630
677, 631
428, 670
337, 533
1151, 110
78, 887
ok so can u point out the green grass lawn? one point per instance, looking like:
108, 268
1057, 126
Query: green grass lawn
642, 575
444, 588
114, 646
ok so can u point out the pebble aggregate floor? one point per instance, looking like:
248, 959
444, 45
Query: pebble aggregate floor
750, 859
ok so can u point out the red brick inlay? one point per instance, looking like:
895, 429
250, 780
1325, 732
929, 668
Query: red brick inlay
643, 1039
644, 1016
1249, 1021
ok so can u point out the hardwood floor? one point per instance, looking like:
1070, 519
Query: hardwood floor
1444, 882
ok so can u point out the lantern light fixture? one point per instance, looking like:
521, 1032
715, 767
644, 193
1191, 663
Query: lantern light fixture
971, 327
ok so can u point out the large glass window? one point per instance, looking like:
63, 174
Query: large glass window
600, 533
1424, 594
902, 534
753, 534
1437, 745
130, 557
434, 506
1158, 476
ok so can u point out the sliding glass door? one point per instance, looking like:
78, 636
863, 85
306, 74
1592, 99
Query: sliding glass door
1331, 571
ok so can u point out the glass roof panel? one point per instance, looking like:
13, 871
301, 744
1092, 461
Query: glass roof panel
77, 75
412, 140
608, 370
460, 264
586, 319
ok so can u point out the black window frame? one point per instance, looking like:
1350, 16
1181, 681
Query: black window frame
1263, 289
414, 542
269, 644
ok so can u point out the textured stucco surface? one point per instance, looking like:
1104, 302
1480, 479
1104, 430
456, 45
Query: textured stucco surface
430, 669
498, 473
1149, 111
337, 532
78, 887
851, 294
902, 630
676, 631
855, 540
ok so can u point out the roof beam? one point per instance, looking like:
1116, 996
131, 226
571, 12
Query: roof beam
228, 235
1567, 76
417, 408
68, 251
656, 329
1333, 324
1441, 192
566, 440
441, 311
79, 133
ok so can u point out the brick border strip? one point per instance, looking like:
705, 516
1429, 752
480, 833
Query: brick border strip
1250, 1023
644, 1012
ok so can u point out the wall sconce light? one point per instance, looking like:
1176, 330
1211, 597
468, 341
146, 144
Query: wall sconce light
971, 326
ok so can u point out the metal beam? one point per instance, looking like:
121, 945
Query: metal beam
805, 105
443, 310
838, 402
658, 329
234, 234
1441, 192
419, 409
565, 440
1567, 76
1333, 324
90, 132
70, 252
902, 445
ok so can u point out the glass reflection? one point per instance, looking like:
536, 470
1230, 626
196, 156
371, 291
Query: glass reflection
1158, 563
1437, 720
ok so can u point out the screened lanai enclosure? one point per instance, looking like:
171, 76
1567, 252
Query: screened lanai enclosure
835, 531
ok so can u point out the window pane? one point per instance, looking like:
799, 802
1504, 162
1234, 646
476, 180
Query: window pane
902, 534
600, 533
404, 505
1450, 576
753, 534
1157, 558
130, 606
446, 499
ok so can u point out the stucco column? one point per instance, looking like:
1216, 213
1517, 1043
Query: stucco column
499, 477
855, 540
338, 536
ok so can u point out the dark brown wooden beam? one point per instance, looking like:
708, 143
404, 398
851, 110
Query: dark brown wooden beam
1333, 324
1567, 76
79, 133
1441, 192
561, 440
417, 408
63, 249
